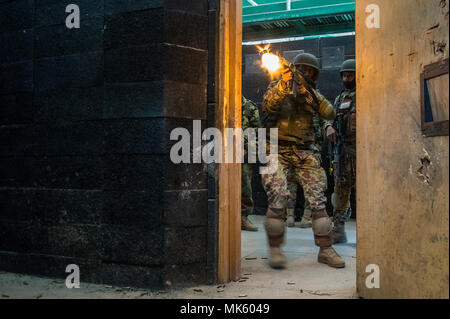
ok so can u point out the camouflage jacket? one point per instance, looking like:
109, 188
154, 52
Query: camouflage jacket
250, 119
293, 116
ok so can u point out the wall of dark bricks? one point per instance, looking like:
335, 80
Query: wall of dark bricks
85, 117
331, 51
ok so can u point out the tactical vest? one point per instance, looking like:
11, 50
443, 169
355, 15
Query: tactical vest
346, 107
294, 121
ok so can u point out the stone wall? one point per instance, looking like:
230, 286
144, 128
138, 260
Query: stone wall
85, 117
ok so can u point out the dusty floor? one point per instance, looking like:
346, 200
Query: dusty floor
303, 277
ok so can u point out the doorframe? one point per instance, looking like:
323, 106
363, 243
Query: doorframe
228, 78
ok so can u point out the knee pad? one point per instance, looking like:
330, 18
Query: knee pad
339, 202
274, 227
322, 226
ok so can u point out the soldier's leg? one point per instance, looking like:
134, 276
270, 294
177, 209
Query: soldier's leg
313, 180
275, 186
306, 221
292, 198
341, 203
246, 197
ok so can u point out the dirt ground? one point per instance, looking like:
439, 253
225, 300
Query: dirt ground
303, 278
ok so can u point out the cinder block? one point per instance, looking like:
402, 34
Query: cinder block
134, 29
17, 77
133, 208
79, 70
52, 266
199, 7
134, 64
69, 104
16, 46
348, 42
185, 208
65, 206
119, 6
131, 275
16, 236
136, 245
311, 46
135, 136
185, 100
195, 28
85, 138
330, 84
133, 172
57, 40
185, 245
82, 241
134, 100
185, 275
16, 15
16, 140
16, 204
16, 172
16, 108
184, 176
74, 172
185, 64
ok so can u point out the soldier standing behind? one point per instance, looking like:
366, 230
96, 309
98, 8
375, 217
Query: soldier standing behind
250, 119
292, 114
342, 132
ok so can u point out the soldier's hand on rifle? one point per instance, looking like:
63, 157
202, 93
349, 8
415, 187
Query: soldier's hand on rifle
286, 76
331, 134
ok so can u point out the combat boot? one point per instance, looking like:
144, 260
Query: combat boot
290, 221
246, 224
327, 255
306, 221
339, 235
275, 234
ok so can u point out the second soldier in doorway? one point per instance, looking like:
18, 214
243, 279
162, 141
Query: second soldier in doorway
292, 113
250, 119
342, 132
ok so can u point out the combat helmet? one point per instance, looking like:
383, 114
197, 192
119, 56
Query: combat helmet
307, 59
348, 66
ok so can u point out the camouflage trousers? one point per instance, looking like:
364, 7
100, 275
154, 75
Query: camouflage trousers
301, 166
343, 188
292, 186
246, 190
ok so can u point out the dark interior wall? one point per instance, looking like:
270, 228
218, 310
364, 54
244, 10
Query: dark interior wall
331, 51
85, 118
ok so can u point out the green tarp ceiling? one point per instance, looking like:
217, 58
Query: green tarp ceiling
265, 19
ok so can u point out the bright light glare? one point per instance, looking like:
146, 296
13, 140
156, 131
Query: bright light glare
271, 62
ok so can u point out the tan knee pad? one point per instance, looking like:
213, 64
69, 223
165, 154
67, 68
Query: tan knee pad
322, 226
275, 229
339, 202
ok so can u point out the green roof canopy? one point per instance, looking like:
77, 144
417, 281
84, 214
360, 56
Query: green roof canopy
264, 19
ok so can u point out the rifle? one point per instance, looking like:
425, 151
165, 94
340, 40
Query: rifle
339, 151
300, 85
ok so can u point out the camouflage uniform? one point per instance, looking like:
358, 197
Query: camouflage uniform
342, 190
291, 176
294, 119
250, 119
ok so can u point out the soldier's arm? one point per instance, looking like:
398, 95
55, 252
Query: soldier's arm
326, 110
274, 97
327, 123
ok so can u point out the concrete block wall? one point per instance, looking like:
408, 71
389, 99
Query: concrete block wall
85, 119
